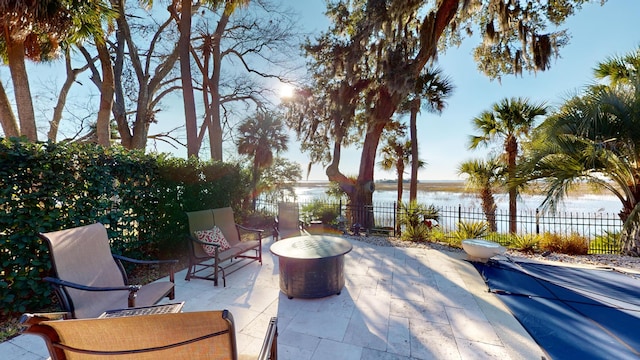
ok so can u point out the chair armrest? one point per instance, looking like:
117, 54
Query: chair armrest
149, 262
250, 230
60, 282
269, 349
28, 319
132, 289
144, 262
260, 231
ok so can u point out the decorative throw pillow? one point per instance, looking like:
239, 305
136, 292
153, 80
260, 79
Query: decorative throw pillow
213, 236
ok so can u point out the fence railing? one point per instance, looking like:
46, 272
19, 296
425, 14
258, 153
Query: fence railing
383, 217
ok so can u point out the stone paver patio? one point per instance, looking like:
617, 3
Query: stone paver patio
398, 303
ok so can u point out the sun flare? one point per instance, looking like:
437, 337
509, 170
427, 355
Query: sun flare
286, 90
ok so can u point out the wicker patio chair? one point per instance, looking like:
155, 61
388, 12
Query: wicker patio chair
88, 279
220, 260
288, 222
176, 336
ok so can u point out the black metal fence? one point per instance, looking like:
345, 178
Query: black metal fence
383, 218
597, 228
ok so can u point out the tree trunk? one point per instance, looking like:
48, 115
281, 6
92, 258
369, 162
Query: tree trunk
26, 115
512, 152
400, 171
630, 234
54, 124
255, 177
630, 238
143, 119
103, 128
415, 162
184, 46
211, 98
215, 128
363, 199
119, 108
7, 117
489, 207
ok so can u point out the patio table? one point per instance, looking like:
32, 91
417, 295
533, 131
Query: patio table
311, 266
144, 310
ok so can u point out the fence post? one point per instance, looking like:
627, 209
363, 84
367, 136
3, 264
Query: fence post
537, 221
395, 218
459, 213
342, 222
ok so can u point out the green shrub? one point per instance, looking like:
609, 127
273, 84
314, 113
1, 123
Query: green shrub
140, 198
453, 241
527, 243
608, 243
437, 234
323, 210
471, 230
500, 238
414, 213
419, 232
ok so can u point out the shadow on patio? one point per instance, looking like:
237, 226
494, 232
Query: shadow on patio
398, 303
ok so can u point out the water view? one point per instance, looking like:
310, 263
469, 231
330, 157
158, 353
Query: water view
585, 203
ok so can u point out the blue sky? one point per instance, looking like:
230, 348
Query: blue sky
597, 32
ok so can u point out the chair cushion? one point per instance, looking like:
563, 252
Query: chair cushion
212, 236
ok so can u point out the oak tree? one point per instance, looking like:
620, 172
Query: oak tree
367, 63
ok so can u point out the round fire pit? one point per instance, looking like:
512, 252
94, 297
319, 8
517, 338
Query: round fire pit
311, 266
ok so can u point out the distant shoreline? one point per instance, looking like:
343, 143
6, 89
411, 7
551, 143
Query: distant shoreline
457, 186
425, 185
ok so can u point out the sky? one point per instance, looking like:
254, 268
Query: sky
597, 33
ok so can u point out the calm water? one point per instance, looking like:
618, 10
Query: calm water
587, 203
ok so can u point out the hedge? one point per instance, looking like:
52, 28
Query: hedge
140, 198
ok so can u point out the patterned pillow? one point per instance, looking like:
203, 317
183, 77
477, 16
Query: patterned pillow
213, 236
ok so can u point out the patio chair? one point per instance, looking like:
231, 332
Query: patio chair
88, 279
188, 336
287, 222
213, 258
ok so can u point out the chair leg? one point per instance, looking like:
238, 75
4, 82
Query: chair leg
188, 277
215, 273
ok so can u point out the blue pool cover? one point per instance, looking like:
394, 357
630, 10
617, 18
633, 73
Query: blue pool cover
572, 313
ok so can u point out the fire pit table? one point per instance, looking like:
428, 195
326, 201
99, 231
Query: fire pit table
311, 266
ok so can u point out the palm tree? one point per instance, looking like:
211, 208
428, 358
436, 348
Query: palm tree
619, 69
34, 30
259, 137
594, 138
508, 121
435, 88
484, 176
396, 154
